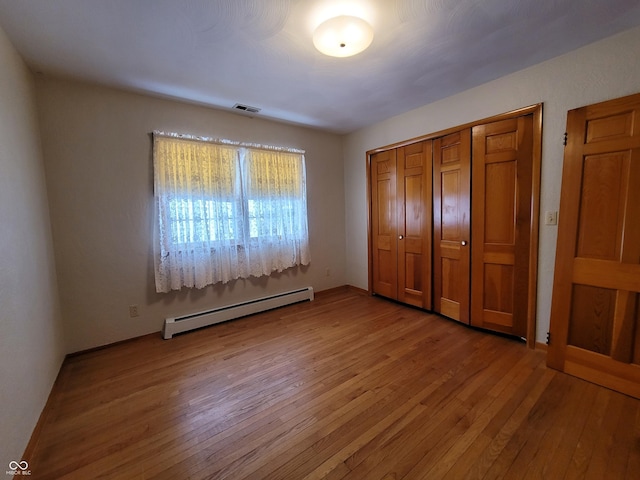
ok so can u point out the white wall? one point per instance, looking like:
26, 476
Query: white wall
99, 174
597, 72
31, 334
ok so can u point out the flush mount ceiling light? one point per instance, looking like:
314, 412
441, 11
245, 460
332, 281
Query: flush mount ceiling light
343, 36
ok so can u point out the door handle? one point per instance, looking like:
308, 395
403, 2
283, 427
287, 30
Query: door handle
463, 243
400, 237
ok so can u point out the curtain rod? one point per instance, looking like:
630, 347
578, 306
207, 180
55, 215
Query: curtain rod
223, 141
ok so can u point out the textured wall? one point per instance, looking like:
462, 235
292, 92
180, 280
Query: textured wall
31, 338
99, 175
597, 72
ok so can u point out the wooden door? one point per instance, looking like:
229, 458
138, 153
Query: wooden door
414, 180
501, 224
384, 224
451, 219
401, 223
595, 312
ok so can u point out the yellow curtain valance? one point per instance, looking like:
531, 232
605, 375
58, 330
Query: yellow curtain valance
212, 166
183, 165
274, 173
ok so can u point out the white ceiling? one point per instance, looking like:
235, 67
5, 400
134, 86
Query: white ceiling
260, 52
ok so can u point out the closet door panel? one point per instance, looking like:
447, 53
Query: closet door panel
451, 229
384, 223
414, 177
501, 224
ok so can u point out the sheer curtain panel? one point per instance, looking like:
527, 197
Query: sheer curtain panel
226, 210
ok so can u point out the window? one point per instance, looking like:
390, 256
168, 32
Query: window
226, 211
191, 221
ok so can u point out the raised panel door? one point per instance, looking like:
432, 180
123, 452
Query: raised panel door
414, 176
501, 224
384, 223
595, 312
451, 224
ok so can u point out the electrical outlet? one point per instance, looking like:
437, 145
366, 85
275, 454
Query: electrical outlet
550, 218
328, 272
133, 311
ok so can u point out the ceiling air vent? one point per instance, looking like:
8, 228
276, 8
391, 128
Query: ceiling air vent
246, 108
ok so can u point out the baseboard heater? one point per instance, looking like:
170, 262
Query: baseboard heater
230, 312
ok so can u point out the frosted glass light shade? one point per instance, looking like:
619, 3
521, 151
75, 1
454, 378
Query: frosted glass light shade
343, 36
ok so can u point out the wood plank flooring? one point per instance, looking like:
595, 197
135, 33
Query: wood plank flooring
344, 387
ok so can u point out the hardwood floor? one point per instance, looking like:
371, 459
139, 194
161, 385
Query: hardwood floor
344, 387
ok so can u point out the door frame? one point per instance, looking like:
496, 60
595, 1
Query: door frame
536, 111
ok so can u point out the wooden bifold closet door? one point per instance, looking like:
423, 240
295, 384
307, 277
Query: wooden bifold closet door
401, 223
482, 223
452, 224
595, 311
501, 224
480, 186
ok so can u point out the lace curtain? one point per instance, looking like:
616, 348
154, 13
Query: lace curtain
226, 211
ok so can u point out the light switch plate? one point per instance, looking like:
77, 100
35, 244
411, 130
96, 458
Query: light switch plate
550, 218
